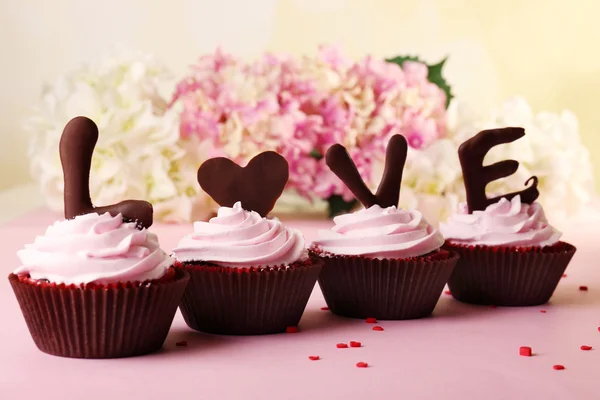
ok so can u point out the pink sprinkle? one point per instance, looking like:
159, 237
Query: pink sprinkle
314, 358
371, 320
584, 347
379, 328
362, 364
558, 367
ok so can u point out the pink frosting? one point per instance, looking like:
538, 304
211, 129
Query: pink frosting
380, 233
240, 238
505, 224
94, 248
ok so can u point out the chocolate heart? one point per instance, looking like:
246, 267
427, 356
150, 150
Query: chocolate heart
257, 186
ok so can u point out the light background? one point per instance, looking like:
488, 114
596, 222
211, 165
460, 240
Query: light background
545, 50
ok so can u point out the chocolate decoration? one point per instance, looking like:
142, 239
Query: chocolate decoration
257, 186
76, 148
388, 192
340, 163
476, 176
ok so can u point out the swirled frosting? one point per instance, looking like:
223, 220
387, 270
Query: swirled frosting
378, 232
240, 238
94, 248
505, 224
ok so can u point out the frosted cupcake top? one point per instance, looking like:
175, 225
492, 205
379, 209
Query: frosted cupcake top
94, 248
377, 232
504, 224
240, 238
509, 220
381, 230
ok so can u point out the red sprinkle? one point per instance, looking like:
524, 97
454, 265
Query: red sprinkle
599, 329
564, 275
341, 346
584, 347
371, 320
324, 308
543, 311
447, 292
314, 358
525, 351
183, 343
583, 288
380, 328
291, 329
362, 364
558, 367
355, 344
492, 306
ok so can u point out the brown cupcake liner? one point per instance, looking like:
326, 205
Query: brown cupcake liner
247, 301
96, 321
388, 289
508, 276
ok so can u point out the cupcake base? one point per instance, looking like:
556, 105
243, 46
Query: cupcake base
512, 277
99, 321
247, 301
388, 289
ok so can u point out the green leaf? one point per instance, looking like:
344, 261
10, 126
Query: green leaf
399, 60
434, 75
337, 205
315, 154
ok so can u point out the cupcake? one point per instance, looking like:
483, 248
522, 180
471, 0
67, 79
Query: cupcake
509, 254
250, 275
381, 262
97, 284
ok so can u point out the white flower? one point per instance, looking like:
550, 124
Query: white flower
551, 149
138, 155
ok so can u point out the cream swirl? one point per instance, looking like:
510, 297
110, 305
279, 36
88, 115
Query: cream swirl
380, 233
505, 223
94, 248
240, 238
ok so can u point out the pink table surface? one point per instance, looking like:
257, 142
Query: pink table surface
461, 352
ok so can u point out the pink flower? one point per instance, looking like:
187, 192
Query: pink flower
301, 106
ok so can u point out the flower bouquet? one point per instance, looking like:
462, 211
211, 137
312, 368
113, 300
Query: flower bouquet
297, 106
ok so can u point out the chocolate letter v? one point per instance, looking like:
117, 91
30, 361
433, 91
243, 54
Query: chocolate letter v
388, 192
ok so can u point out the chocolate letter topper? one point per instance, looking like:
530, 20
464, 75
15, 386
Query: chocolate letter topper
76, 148
257, 186
471, 154
388, 192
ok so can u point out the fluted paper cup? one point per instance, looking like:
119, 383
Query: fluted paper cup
508, 276
247, 301
99, 321
387, 289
